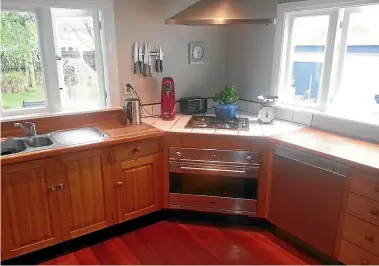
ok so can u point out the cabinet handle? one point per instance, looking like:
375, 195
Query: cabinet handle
374, 211
61, 186
369, 237
137, 149
52, 188
109, 157
120, 184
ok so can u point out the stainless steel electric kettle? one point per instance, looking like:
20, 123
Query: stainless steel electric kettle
132, 110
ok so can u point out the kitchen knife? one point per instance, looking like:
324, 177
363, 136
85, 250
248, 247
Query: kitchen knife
160, 60
145, 60
149, 62
140, 58
135, 58
157, 60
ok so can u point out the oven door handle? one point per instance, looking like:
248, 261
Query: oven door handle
212, 170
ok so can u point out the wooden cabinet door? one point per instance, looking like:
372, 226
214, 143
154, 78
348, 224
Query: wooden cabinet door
306, 202
29, 208
85, 192
138, 187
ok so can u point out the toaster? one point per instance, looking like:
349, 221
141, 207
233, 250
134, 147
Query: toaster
193, 105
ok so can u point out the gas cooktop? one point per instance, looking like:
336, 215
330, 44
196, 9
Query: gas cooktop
219, 123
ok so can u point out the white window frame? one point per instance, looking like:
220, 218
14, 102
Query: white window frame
47, 48
285, 14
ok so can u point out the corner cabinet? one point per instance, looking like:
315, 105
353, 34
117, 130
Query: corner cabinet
84, 192
138, 187
29, 208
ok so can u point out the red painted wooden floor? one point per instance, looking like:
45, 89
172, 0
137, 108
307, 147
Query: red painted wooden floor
170, 242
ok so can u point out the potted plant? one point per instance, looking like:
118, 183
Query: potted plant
227, 100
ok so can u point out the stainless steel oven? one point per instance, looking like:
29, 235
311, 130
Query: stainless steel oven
214, 180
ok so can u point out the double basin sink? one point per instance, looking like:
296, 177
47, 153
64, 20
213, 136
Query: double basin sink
51, 140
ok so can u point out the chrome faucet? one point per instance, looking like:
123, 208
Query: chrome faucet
31, 130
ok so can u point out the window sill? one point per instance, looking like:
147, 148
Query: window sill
362, 129
371, 120
49, 114
308, 116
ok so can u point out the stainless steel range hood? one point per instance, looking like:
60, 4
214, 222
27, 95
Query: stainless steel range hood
226, 12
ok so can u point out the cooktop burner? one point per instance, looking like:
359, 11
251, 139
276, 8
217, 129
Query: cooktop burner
219, 123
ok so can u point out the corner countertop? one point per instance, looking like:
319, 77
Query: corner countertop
255, 128
353, 152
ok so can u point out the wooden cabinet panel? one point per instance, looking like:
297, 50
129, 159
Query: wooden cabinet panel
29, 210
365, 184
361, 233
352, 255
306, 202
85, 200
136, 149
138, 187
363, 207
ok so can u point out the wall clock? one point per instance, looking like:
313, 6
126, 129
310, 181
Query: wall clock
196, 53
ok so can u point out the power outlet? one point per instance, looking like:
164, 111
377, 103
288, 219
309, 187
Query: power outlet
125, 88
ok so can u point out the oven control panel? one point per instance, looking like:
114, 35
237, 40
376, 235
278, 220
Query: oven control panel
210, 155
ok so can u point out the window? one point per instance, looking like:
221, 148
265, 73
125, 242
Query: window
328, 59
55, 58
22, 77
81, 81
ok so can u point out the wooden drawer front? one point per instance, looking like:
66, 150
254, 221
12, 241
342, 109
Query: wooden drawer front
361, 233
214, 203
366, 185
365, 208
136, 149
353, 255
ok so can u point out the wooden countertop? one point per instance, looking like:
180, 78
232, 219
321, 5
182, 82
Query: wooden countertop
118, 133
356, 153
353, 152
346, 150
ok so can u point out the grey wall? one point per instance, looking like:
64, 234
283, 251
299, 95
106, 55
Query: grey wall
249, 56
143, 21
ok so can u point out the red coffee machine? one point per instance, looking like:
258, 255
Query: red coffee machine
168, 102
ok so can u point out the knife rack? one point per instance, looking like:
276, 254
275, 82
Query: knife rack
146, 66
153, 54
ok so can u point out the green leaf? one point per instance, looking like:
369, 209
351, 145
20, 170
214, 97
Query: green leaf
228, 96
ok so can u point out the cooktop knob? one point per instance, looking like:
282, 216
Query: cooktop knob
179, 154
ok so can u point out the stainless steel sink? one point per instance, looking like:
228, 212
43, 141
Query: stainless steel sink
12, 146
78, 136
51, 140
36, 142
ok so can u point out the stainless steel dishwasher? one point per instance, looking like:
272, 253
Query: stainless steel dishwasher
306, 196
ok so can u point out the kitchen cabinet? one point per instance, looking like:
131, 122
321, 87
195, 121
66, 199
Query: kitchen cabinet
47, 201
138, 187
29, 208
358, 241
306, 197
84, 192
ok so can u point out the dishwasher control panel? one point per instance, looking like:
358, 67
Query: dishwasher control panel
316, 161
